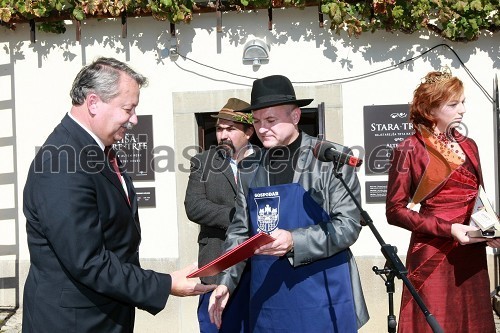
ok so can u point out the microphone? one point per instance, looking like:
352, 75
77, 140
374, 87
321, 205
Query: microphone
325, 151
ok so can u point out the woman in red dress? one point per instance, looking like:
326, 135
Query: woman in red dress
439, 169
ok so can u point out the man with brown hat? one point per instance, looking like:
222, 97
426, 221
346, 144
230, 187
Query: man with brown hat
306, 280
209, 202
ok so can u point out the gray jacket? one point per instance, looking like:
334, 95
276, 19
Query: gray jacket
315, 242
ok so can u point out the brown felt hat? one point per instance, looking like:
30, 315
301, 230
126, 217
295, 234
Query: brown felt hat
228, 111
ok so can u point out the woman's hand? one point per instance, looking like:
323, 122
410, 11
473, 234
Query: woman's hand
459, 233
494, 242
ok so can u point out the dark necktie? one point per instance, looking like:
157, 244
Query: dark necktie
110, 153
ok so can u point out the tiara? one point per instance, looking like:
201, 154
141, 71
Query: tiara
443, 75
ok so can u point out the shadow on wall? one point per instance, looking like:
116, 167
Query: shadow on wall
239, 29
9, 222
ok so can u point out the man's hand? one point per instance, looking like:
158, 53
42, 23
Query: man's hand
218, 301
459, 232
282, 244
182, 286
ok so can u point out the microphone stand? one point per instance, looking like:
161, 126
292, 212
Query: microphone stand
394, 267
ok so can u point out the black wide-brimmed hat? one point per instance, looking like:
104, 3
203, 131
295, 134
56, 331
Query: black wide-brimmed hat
274, 90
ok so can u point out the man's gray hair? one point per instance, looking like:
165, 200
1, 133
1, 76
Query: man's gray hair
102, 77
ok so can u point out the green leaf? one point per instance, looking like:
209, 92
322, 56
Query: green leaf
78, 14
476, 5
397, 12
473, 25
461, 6
39, 12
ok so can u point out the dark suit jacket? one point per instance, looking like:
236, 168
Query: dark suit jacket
209, 202
83, 239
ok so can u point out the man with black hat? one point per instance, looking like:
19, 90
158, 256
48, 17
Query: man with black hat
209, 202
306, 280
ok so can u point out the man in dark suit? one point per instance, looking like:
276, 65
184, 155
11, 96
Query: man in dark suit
82, 222
209, 202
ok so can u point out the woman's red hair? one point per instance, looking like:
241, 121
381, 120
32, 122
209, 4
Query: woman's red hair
436, 89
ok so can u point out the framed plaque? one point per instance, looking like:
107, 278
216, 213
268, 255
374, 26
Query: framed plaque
146, 196
135, 150
385, 127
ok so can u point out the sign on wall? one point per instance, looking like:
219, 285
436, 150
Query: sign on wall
135, 150
385, 127
375, 192
146, 196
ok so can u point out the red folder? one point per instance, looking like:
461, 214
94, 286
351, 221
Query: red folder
241, 252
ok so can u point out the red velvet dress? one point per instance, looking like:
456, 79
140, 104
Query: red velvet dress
452, 279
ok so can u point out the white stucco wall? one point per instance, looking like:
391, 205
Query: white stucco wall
299, 49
